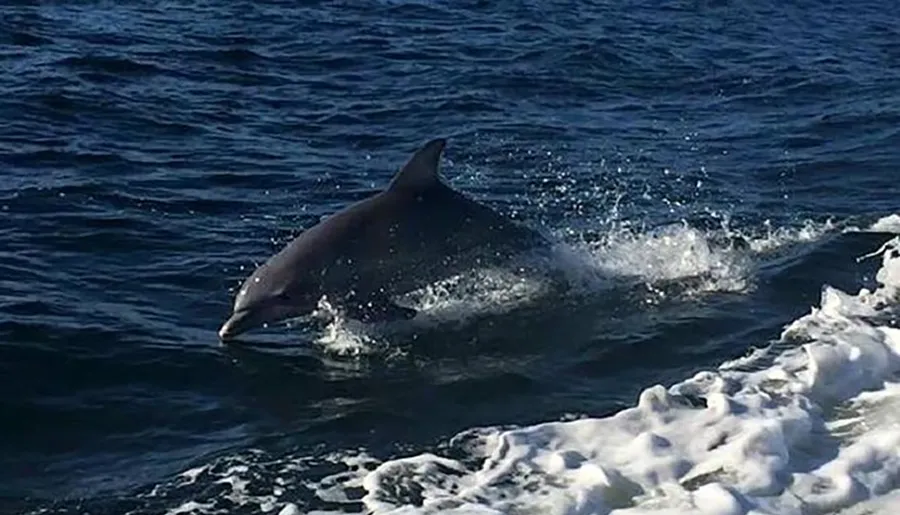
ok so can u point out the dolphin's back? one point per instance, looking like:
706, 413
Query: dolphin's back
398, 240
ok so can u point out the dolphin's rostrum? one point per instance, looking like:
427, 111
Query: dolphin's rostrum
416, 231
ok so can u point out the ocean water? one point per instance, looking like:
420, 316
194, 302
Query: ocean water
719, 179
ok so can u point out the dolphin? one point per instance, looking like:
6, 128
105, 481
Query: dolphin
414, 232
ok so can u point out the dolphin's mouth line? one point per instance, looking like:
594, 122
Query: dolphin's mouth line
236, 324
246, 319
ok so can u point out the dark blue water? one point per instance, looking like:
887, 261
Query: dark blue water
151, 153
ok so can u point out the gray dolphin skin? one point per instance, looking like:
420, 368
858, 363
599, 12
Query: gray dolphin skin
411, 234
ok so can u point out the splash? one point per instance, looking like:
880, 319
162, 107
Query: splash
671, 253
775, 238
341, 335
456, 300
479, 291
672, 261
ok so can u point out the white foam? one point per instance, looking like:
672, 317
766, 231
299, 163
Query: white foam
256, 482
889, 223
813, 430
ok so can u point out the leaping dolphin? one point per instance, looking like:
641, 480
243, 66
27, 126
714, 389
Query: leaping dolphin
413, 233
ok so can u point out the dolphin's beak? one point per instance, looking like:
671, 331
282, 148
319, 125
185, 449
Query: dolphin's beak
236, 324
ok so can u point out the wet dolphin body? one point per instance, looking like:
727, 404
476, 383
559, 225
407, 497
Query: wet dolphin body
416, 231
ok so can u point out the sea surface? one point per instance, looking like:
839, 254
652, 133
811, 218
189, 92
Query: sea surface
719, 179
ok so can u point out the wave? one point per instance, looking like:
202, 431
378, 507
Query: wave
110, 65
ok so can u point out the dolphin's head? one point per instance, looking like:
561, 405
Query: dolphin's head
291, 283
274, 292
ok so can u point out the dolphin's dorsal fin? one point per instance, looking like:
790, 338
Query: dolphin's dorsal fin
421, 171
